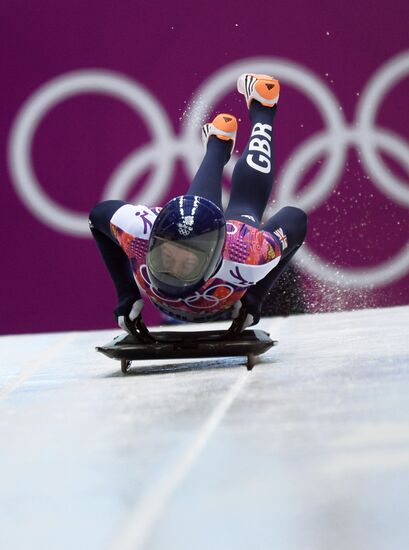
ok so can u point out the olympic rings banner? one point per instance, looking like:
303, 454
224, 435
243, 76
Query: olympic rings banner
104, 101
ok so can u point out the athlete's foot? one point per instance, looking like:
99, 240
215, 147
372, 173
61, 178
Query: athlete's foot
223, 126
263, 88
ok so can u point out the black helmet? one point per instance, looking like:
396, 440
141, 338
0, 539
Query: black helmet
185, 246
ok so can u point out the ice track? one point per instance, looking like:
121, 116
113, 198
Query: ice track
309, 451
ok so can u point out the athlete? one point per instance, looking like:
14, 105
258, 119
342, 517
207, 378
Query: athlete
193, 261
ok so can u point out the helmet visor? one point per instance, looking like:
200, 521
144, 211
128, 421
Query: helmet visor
182, 263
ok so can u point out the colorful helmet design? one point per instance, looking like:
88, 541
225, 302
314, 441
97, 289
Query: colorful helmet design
185, 246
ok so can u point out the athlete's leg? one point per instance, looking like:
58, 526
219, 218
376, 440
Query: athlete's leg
207, 182
219, 137
289, 225
253, 174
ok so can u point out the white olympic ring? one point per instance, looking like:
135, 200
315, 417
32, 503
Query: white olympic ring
213, 300
165, 149
190, 300
143, 270
60, 89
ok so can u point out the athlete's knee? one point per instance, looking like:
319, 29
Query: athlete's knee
299, 216
299, 220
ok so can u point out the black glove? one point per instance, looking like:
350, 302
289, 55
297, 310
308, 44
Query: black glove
249, 308
126, 315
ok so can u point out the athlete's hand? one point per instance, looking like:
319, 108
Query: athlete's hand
127, 322
248, 309
239, 311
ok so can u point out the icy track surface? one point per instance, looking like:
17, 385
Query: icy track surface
309, 451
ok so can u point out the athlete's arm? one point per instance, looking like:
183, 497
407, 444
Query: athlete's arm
115, 259
252, 301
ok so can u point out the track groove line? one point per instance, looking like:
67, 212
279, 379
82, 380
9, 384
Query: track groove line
143, 517
38, 362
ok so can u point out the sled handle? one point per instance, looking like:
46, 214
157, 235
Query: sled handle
142, 331
238, 324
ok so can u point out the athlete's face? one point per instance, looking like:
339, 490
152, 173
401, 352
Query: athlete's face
178, 261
